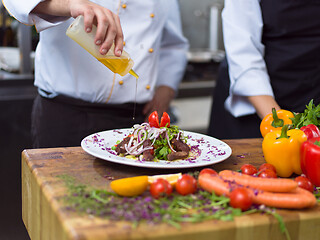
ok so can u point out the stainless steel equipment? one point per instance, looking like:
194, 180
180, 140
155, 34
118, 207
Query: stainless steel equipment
201, 23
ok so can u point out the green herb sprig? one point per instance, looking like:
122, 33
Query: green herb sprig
311, 115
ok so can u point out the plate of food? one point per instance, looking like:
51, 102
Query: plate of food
156, 145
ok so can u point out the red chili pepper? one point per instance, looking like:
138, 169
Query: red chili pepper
311, 131
310, 160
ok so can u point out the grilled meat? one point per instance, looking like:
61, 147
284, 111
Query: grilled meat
147, 155
182, 150
120, 147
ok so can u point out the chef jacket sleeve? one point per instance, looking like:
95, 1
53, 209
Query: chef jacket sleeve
21, 10
242, 29
173, 52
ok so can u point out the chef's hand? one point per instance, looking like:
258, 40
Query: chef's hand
108, 23
160, 102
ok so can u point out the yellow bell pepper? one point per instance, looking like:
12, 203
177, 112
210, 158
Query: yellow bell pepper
275, 121
281, 148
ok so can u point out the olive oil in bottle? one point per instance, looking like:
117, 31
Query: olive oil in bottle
121, 65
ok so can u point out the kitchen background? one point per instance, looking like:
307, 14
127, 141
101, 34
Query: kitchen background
201, 21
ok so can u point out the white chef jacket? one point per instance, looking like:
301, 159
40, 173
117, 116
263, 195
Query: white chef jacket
242, 32
153, 38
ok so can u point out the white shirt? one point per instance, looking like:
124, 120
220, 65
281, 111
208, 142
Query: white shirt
63, 67
242, 30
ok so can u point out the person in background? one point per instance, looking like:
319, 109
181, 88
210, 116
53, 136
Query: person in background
272, 61
78, 95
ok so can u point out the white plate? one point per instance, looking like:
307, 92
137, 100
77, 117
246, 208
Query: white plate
206, 150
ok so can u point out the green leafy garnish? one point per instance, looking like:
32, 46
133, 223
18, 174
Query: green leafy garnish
162, 152
311, 115
162, 148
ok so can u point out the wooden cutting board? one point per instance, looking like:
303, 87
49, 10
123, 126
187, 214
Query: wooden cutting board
45, 217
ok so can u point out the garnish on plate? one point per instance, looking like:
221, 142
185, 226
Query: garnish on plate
155, 141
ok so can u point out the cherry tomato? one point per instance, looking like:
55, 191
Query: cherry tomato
208, 170
248, 169
267, 173
165, 120
240, 198
160, 188
186, 184
154, 119
305, 183
267, 166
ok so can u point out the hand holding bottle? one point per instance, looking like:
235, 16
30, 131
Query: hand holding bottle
108, 24
121, 65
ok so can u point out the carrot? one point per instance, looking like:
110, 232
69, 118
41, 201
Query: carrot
295, 199
214, 183
265, 184
298, 199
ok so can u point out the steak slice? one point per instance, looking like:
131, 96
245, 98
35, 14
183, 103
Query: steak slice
177, 155
120, 147
180, 145
182, 150
147, 155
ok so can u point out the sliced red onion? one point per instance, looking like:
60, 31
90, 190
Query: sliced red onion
141, 135
142, 150
130, 150
168, 140
178, 136
153, 133
131, 140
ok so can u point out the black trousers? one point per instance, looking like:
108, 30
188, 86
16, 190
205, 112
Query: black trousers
222, 124
64, 121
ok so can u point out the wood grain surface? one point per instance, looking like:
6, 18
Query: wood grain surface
45, 216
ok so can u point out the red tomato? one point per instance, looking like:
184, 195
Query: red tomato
208, 170
267, 166
152, 151
267, 173
160, 188
186, 184
305, 183
165, 120
248, 169
154, 119
240, 198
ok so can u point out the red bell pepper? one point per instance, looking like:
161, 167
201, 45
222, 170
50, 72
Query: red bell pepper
310, 160
311, 131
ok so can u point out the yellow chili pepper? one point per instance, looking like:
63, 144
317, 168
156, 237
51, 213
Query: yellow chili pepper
275, 121
281, 148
